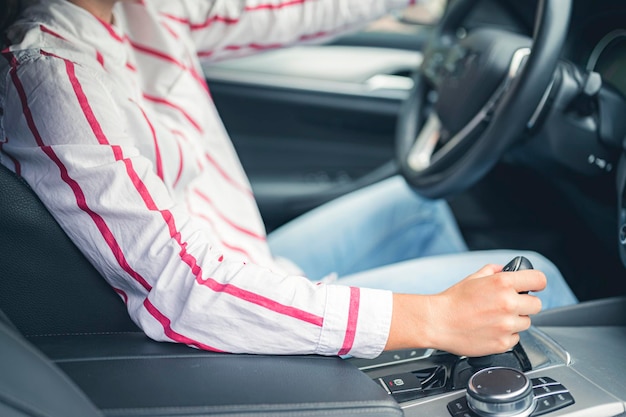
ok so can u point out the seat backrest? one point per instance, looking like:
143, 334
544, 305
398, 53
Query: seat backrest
47, 286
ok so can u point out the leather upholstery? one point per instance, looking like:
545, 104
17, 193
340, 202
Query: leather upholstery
46, 285
130, 375
31, 386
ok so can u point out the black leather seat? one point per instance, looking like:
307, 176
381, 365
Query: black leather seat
32, 386
47, 286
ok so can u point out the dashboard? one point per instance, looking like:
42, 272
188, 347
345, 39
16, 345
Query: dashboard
608, 58
597, 40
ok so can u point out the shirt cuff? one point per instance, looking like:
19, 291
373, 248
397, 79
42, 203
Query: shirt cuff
356, 321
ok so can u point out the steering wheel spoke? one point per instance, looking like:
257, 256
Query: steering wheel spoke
420, 154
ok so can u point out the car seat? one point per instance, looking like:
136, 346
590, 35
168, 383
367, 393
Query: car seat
32, 386
47, 286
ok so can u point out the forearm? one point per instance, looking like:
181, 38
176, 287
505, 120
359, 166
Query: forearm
221, 29
410, 322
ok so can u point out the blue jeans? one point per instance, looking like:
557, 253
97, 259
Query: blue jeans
386, 236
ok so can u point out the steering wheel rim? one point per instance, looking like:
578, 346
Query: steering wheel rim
503, 117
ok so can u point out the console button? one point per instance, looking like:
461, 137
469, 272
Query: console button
544, 380
552, 403
404, 382
548, 389
544, 405
563, 399
458, 407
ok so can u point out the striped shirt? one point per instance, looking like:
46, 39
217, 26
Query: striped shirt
114, 128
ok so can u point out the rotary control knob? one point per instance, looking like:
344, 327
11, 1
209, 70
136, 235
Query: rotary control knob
500, 392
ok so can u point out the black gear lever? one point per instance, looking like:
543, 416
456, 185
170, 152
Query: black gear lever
516, 264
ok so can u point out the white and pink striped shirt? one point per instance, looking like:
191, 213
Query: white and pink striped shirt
114, 128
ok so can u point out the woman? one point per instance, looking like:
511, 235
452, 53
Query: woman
108, 118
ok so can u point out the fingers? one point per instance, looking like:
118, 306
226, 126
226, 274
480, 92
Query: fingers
521, 323
528, 280
509, 336
529, 305
485, 271
510, 341
523, 281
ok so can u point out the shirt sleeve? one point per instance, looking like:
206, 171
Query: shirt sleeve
65, 135
225, 28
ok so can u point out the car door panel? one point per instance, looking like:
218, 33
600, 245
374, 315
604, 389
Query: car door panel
309, 123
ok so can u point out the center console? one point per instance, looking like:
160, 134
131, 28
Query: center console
557, 369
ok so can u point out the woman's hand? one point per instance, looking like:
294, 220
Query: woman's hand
480, 315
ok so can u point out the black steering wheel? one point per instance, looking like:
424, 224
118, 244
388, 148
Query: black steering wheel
474, 95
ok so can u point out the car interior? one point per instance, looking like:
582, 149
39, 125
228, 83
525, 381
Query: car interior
514, 112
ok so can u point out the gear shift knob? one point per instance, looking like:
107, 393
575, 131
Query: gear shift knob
516, 264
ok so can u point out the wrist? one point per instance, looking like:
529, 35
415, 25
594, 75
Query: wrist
411, 322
